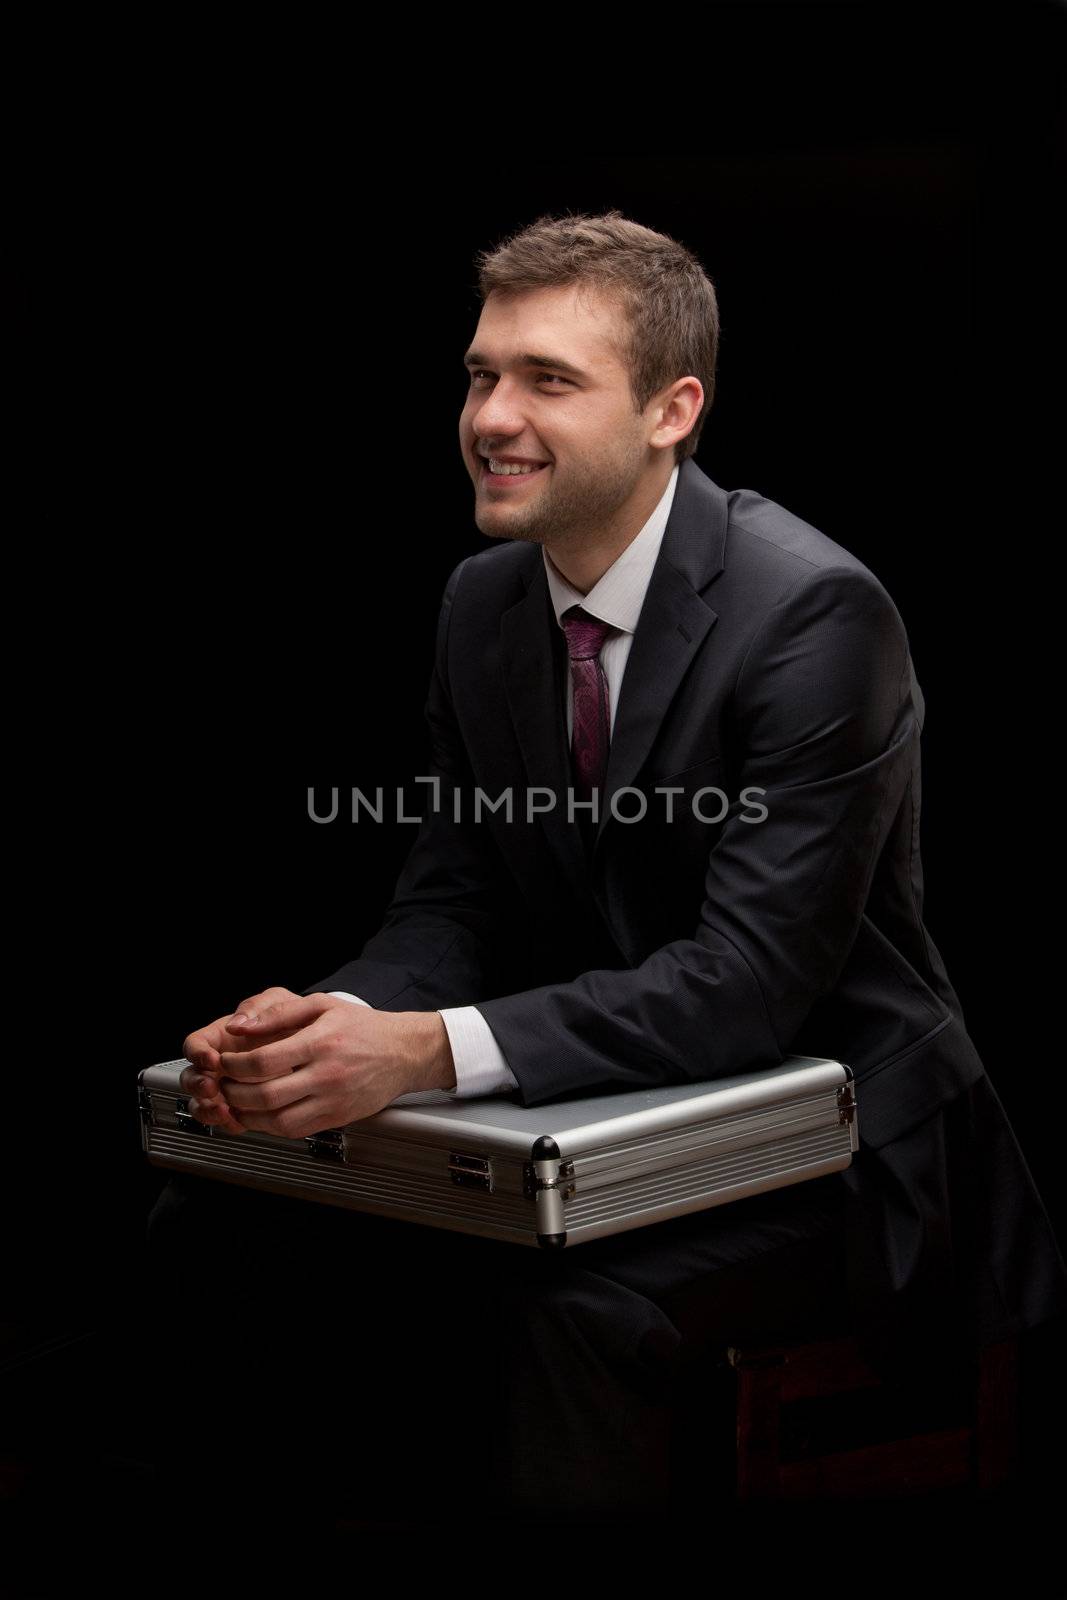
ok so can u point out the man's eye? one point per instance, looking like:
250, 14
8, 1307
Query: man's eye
542, 377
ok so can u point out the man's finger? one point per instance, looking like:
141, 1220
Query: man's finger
215, 1114
192, 1081
266, 997
256, 1004
293, 1012
273, 1095
201, 1048
269, 1060
294, 1121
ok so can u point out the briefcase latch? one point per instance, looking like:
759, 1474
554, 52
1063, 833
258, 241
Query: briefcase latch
184, 1118
144, 1105
846, 1103
470, 1172
328, 1145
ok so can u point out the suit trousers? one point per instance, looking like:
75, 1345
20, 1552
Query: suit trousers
427, 1375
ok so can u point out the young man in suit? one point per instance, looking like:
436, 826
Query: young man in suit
622, 929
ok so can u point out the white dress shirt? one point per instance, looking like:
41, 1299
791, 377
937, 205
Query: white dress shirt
616, 597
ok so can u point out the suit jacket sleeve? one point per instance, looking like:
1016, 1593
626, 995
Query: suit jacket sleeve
440, 940
825, 715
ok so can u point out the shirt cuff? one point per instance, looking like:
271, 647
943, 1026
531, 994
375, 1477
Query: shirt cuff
481, 1067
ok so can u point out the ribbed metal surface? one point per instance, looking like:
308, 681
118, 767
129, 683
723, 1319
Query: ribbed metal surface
435, 1200
761, 1166
748, 1137
410, 1193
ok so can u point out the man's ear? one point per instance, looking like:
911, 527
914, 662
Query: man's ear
675, 411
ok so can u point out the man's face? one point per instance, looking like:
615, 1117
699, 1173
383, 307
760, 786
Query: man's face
549, 389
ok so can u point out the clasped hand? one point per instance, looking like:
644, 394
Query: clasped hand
292, 1064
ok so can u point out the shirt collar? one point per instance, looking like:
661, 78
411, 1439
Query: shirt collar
618, 595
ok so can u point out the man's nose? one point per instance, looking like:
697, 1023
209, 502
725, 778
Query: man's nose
499, 413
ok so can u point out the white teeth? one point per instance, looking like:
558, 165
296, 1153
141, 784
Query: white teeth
509, 468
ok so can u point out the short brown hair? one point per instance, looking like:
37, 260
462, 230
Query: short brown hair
668, 298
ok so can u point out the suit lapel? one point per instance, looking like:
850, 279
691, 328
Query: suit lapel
673, 624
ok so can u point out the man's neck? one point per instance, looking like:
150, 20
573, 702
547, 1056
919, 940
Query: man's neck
583, 559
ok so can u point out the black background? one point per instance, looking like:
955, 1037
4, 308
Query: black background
278, 499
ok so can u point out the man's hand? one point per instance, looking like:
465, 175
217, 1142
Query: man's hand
299, 1063
203, 1049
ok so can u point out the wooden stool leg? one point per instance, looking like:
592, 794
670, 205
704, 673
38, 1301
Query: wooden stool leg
759, 1411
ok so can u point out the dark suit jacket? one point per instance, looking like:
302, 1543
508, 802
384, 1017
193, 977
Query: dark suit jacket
766, 657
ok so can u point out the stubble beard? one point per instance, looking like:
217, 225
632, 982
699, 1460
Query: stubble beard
574, 510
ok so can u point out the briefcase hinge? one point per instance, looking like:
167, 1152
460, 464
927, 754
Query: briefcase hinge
327, 1145
470, 1172
540, 1175
846, 1103
144, 1105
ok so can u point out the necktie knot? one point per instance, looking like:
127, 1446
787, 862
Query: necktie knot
585, 634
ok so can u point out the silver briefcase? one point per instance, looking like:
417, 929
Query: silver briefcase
548, 1175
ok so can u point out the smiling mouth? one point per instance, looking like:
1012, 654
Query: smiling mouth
508, 479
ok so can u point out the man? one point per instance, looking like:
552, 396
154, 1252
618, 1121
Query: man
620, 928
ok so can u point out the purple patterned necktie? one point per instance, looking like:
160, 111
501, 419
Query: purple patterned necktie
592, 712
